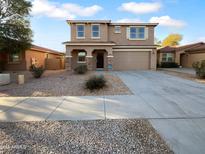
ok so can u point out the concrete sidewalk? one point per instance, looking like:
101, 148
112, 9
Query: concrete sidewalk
174, 106
150, 106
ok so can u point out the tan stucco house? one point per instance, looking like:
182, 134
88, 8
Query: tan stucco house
184, 55
103, 45
48, 58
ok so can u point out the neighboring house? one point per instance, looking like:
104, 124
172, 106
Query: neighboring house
37, 55
183, 55
103, 45
166, 54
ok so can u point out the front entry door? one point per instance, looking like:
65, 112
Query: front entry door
100, 60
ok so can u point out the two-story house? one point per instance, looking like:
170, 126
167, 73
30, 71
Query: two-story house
103, 45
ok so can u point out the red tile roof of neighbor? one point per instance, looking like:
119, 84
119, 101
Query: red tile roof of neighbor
167, 49
42, 49
200, 48
189, 46
186, 48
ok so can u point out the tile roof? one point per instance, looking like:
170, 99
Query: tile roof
197, 48
42, 49
167, 49
189, 46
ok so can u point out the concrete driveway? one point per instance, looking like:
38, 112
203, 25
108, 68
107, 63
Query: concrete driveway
174, 106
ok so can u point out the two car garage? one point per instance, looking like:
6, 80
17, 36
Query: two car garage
131, 60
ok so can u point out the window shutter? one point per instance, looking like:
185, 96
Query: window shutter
128, 32
146, 33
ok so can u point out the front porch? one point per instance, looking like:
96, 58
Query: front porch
98, 57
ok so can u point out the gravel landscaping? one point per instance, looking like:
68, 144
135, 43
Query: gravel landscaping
64, 83
99, 136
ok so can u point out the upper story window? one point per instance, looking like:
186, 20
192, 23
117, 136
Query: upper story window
14, 57
80, 31
136, 33
95, 31
167, 57
117, 29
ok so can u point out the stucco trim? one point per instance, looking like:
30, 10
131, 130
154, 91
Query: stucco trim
134, 24
89, 44
68, 56
135, 47
148, 50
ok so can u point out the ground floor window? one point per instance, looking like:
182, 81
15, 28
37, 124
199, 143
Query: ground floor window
81, 57
14, 57
167, 57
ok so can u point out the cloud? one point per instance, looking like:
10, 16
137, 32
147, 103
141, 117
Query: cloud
167, 21
201, 39
140, 8
62, 11
82, 11
127, 20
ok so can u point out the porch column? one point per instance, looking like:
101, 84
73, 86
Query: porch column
110, 59
177, 57
68, 58
89, 60
153, 59
68, 61
110, 62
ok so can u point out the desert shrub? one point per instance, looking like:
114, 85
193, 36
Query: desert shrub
199, 67
37, 71
95, 82
169, 65
81, 69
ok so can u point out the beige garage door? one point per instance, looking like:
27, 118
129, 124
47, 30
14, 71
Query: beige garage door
131, 60
189, 59
196, 57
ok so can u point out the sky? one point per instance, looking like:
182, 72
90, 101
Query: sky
48, 17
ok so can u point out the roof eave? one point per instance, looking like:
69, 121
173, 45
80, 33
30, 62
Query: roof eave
87, 21
135, 24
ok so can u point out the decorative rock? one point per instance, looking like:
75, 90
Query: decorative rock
94, 136
4, 79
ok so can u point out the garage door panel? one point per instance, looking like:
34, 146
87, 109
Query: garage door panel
131, 60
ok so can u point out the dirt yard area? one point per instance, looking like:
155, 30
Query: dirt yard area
62, 83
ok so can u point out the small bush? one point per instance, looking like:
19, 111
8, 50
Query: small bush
81, 69
199, 68
37, 71
95, 82
169, 65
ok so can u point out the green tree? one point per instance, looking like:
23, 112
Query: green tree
172, 40
15, 32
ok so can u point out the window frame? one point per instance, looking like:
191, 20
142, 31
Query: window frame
168, 55
14, 62
93, 37
83, 37
137, 33
79, 61
117, 32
